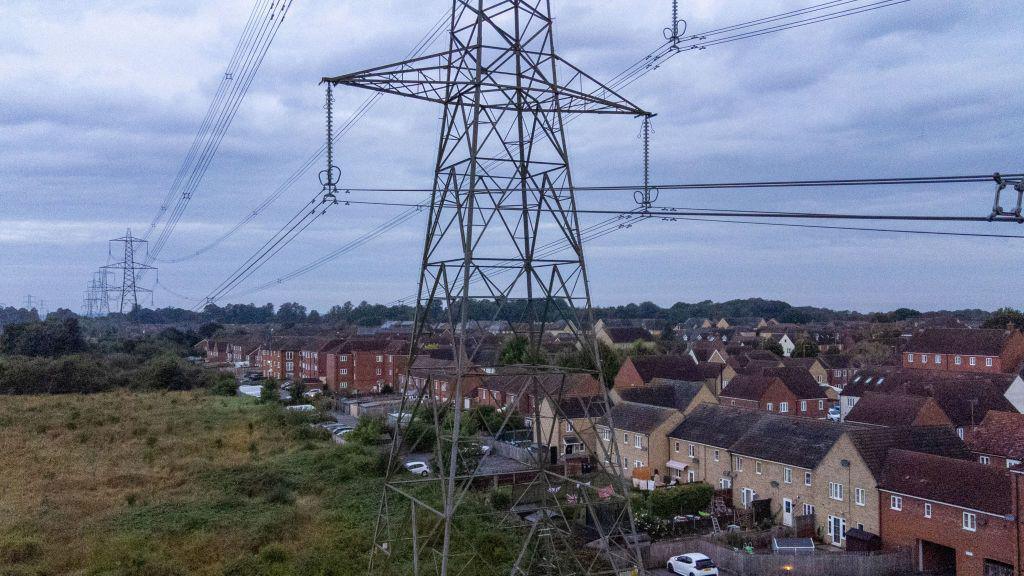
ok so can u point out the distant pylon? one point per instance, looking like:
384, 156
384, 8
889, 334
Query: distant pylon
130, 270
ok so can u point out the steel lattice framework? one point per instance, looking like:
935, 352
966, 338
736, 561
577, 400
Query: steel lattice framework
131, 268
502, 229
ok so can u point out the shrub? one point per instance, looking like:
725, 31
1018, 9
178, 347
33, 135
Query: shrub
19, 550
501, 499
685, 499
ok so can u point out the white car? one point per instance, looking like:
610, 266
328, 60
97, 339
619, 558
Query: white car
418, 468
693, 564
314, 393
834, 414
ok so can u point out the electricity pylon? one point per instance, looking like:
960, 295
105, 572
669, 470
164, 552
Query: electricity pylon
502, 228
130, 268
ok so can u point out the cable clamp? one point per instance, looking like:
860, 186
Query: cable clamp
998, 212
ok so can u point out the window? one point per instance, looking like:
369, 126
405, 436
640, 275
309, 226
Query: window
568, 426
289, 355
343, 371
638, 441
807, 478
380, 358
924, 358
835, 491
625, 438
343, 358
344, 384
638, 464
896, 502
910, 358
821, 404
725, 483
859, 497
938, 359
758, 468
690, 451
988, 362
972, 361
958, 360
606, 435
625, 463
691, 476
676, 447
444, 387
787, 475
1010, 462
927, 509
960, 432
808, 509
783, 407
984, 459
715, 455
970, 521
768, 406
378, 371
738, 464
803, 405
850, 401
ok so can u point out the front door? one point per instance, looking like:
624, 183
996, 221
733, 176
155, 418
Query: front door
787, 512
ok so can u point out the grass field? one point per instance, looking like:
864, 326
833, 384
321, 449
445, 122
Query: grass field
162, 484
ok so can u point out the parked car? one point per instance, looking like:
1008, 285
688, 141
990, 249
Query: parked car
834, 414
692, 564
418, 468
313, 393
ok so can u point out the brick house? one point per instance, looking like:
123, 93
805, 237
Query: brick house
568, 425
281, 358
214, 351
640, 371
313, 359
791, 392
999, 440
813, 366
642, 438
839, 369
699, 445
520, 390
624, 337
881, 409
965, 350
364, 365
953, 515
436, 378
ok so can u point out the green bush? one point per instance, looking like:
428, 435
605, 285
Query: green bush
685, 499
18, 550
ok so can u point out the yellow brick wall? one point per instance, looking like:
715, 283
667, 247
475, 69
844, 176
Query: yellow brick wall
857, 475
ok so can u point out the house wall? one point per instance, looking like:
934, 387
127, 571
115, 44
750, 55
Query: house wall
746, 476
659, 454
947, 362
856, 475
628, 377
1015, 393
740, 402
703, 463
994, 538
931, 414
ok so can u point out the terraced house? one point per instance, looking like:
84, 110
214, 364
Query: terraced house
642, 439
700, 444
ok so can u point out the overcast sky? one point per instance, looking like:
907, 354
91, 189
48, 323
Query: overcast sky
100, 100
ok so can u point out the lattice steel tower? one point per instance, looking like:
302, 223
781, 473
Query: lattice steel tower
502, 229
132, 265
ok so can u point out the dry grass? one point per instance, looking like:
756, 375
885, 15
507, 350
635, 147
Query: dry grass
175, 483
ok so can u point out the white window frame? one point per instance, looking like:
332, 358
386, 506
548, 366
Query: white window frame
938, 358
343, 371
758, 467
859, 497
927, 509
691, 476
1010, 462
691, 451
984, 459
725, 483
803, 405
737, 463
675, 446
716, 455
910, 358
625, 438
768, 406
380, 358
972, 361
924, 358
783, 407
836, 491
821, 404
638, 464
343, 358
970, 521
895, 502
958, 360
808, 509
808, 477
787, 475
988, 362
638, 441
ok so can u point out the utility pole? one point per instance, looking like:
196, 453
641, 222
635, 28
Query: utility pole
503, 228
132, 265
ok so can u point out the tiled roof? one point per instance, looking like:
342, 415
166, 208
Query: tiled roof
748, 387
887, 409
896, 378
642, 418
666, 366
627, 334
965, 402
981, 342
963, 483
716, 425
552, 384
1000, 434
800, 442
834, 361
666, 393
799, 381
874, 444
582, 407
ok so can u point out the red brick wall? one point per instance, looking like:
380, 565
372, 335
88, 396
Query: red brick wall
948, 363
740, 402
628, 377
932, 415
994, 538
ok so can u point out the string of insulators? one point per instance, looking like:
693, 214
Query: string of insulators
646, 197
329, 177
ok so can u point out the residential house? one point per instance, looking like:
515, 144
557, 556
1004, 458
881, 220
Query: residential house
642, 439
437, 379
965, 350
880, 409
788, 391
359, 366
955, 516
523, 392
567, 424
625, 337
681, 395
839, 369
700, 445
999, 440
641, 370
812, 365
281, 358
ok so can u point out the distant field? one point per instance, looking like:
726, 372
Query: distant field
162, 484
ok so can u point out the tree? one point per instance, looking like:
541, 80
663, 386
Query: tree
869, 353
685, 499
270, 392
579, 359
517, 350
805, 349
772, 346
209, 329
1003, 317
